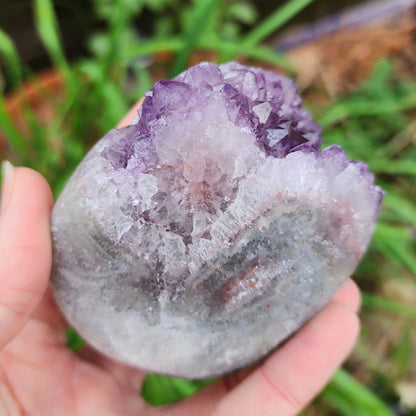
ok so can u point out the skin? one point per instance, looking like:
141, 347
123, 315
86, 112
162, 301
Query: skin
40, 376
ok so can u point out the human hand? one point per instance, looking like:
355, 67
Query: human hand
40, 376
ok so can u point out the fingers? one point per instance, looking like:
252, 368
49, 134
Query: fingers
285, 382
347, 295
291, 377
25, 249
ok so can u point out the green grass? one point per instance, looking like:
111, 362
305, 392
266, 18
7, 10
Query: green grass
201, 16
9, 53
159, 390
373, 124
351, 398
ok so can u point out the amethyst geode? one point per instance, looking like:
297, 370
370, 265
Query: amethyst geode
195, 240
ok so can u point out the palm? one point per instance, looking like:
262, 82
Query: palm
39, 375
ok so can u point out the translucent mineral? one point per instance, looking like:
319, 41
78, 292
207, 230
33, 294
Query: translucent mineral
197, 239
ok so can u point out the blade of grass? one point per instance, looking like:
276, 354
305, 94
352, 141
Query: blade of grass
176, 44
267, 27
261, 53
403, 209
14, 68
274, 22
394, 167
374, 301
340, 402
47, 28
359, 397
396, 244
158, 389
13, 135
118, 21
38, 132
11, 59
74, 340
403, 352
365, 108
151, 47
119, 35
202, 12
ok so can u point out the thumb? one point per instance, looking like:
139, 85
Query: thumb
25, 247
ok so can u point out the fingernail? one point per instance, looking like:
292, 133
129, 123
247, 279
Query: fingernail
7, 170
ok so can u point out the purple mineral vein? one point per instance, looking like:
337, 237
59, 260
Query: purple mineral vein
265, 102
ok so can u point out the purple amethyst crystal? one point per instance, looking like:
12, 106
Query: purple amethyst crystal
197, 239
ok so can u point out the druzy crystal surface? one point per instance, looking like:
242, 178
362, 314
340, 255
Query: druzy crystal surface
195, 240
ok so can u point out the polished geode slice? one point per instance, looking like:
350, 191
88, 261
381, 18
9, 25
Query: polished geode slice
197, 239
